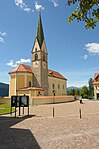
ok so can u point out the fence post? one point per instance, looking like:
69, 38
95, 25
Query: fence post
80, 113
53, 112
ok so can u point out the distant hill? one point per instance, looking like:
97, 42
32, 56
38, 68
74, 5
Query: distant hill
4, 89
73, 87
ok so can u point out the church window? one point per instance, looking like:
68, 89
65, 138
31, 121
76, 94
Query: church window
58, 86
36, 57
30, 84
35, 49
53, 86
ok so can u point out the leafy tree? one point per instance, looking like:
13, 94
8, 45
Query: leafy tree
91, 88
77, 92
85, 96
72, 92
84, 92
86, 10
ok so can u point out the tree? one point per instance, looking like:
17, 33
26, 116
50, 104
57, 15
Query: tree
91, 88
72, 92
86, 10
77, 92
84, 92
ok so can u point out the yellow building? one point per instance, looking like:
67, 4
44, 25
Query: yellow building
96, 85
37, 79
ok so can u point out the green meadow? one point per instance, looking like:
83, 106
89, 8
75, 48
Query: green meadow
5, 108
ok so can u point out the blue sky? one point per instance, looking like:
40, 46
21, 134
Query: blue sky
72, 50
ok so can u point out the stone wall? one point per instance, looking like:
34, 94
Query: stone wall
5, 100
50, 99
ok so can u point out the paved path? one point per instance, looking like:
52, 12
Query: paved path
41, 131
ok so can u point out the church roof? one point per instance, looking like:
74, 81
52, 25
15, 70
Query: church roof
55, 74
39, 32
96, 75
21, 68
25, 68
95, 82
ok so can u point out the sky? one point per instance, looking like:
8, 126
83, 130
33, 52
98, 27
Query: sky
72, 49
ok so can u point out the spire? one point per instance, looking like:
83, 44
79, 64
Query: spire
39, 33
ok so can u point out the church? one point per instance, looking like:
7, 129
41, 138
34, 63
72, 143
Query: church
96, 85
37, 79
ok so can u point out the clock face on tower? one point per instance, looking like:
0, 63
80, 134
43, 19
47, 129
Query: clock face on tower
35, 64
44, 65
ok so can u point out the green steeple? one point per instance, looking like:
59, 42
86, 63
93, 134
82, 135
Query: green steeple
39, 33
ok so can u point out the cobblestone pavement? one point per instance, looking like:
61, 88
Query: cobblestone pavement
43, 131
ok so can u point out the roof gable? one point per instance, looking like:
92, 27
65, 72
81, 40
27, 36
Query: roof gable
55, 74
21, 68
96, 78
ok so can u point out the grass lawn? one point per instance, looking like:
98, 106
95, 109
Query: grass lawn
5, 109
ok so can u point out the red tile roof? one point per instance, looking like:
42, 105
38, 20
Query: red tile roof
21, 68
96, 75
55, 74
25, 68
95, 82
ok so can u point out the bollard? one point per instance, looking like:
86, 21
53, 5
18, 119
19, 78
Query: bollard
28, 110
80, 113
53, 112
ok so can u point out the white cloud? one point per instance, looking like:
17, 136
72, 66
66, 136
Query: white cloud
1, 40
22, 5
11, 63
55, 2
2, 35
21, 61
84, 57
92, 48
38, 7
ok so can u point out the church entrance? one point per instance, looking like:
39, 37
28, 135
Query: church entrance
98, 96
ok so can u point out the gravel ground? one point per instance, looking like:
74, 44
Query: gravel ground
66, 130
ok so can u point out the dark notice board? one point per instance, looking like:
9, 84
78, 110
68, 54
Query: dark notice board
20, 101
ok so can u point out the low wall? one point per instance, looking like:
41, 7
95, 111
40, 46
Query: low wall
40, 100
50, 99
5, 100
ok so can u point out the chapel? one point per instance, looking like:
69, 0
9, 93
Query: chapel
37, 79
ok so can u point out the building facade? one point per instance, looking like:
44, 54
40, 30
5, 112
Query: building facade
96, 85
37, 79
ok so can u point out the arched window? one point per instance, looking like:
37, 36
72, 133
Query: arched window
35, 49
36, 57
30, 84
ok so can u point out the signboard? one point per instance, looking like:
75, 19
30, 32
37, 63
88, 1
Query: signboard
19, 101
13, 101
24, 101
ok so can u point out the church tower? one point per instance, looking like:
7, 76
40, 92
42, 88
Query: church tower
40, 59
